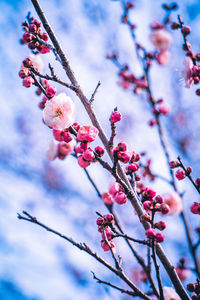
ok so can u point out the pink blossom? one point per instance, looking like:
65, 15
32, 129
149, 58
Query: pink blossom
161, 39
187, 72
88, 155
87, 133
99, 151
180, 174
164, 208
124, 156
120, 198
195, 208
83, 163
50, 91
66, 148
170, 293
59, 112
160, 225
58, 135
53, 150
114, 188
147, 205
163, 57
183, 273
174, 201
28, 81
67, 137
109, 218
108, 234
116, 116
105, 246
150, 233
37, 62
107, 199
160, 237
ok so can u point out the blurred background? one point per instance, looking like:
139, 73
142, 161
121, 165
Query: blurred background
35, 264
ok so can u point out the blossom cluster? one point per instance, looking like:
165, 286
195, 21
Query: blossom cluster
104, 225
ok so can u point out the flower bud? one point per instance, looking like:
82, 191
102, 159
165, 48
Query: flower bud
160, 238
180, 174
150, 233
174, 164
116, 116
160, 225
164, 208
120, 198
185, 30
107, 199
88, 155
109, 218
28, 81
50, 91
99, 151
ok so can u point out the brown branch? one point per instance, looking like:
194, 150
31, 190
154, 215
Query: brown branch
132, 195
157, 269
113, 134
82, 246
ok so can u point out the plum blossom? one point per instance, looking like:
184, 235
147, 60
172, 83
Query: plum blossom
59, 112
87, 133
174, 201
187, 72
161, 39
170, 294
37, 62
53, 150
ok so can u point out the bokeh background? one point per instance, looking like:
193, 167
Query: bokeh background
34, 264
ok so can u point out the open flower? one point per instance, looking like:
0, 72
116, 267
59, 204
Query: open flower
59, 112
174, 201
161, 39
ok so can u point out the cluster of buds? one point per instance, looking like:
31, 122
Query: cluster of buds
85, 135
194, 288
125, 18
60, 149
115, 194
192, 72
34, 37
121, 153
151, 202
182, 271
180, 173
25, 72
128, 79
104, 225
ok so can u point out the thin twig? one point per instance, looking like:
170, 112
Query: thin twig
114, 286
82, 246
94, 93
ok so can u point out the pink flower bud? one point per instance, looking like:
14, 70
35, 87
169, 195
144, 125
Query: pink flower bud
115, 188
189, 170
100, 221
150, 233
36, 22
163, 109
109, 218
197, 181
124, 156
148, 193
152, 123
50, 91
76, 126
105, 246
145, 218
27, 62
115, 116
160, 225
120, 198
195, 208
44, 49
164, 208
88, 155
83, 163
58, 135
122, 146
107, 199
160, 238
133, 167
180, 174
24, 72
99, 151
147, 205
87, 133
159, 199
33, 28
108, 234
186, 30
66, 136
44, 36
84, 146
28, 81
65, 149
174, 164
27, 37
